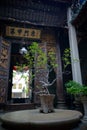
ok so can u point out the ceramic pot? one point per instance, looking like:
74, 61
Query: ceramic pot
84, 101
47, 103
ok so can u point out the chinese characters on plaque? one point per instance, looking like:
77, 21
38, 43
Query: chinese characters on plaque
23, 32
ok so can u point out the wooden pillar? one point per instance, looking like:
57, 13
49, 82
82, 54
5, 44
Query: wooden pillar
59, 90
76, 71
5, 48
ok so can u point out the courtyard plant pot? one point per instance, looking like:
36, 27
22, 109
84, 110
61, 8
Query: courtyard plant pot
84, 101
47, 103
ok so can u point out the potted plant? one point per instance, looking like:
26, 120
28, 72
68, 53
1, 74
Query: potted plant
76, 89
80, 93
72, 87
41, 62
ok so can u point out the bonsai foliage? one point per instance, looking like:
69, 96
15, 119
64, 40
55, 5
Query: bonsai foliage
35, 56
41, 61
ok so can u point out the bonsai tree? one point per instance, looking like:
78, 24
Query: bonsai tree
42, 63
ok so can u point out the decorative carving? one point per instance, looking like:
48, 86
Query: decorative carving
3, 84
4, 68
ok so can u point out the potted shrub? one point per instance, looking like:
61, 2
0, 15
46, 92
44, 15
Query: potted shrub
73, 88
42, 62
80, 93
76, 89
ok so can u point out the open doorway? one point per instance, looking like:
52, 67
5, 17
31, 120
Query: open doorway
20, 81
21, 90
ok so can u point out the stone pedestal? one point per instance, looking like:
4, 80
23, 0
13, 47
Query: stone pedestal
32, 119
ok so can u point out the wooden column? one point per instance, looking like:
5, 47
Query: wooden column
5, 48
59, 90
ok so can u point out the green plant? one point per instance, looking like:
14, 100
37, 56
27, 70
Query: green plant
75, 88
66, 58
42, 62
